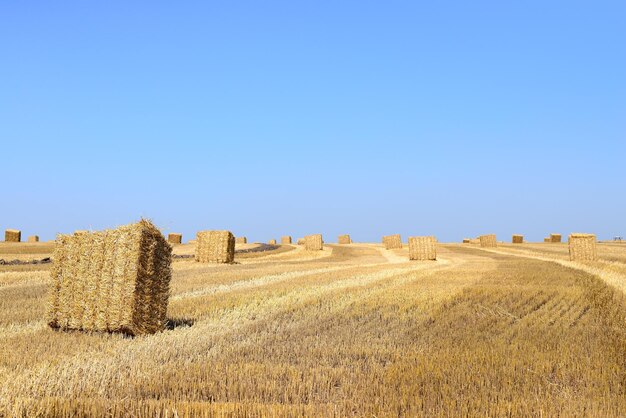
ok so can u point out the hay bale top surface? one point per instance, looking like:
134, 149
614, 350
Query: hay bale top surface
581, 235
14, 231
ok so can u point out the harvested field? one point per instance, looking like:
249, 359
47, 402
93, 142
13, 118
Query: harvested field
482, 332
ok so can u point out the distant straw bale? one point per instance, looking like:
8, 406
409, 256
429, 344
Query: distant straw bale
33, 238
488, 240
466, 240
12, 235
285, 239
344, 239
555, 238
272, 242
313, 242
174, 238
241, 240
114, 280
215, 247
547, 239
518, 239
422, 248
392, 241
582, 247
300, 241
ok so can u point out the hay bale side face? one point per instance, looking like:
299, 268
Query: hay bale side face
175, 238
488, 241
518, 239
344, 239
301, 241
241, 240
215, 247
113, 280
272, 242
12, 235
285, 239
548, 239
582, 247
33, 238
555, 237
392, 241
313, 242
422, 248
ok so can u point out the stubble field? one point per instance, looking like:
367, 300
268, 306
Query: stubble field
352, 330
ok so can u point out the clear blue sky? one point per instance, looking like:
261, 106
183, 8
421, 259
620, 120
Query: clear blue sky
271, 118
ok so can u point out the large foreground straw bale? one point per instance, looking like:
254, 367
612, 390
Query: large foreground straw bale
313, 242
33, 238
344, 239
518, 239
392, 241
555, 238
488, 240
114, 280
215, 247
422, 248
174, 238
582, 247
241, 240
12, 235
285, 239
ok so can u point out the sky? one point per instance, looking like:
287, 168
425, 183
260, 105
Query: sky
273, 118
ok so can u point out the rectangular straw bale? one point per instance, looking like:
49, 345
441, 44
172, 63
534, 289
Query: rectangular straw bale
285, 239
215, 247
392, 241
313, 242
422, 248
518, 239
488, 240
174, 238
33, 238
582, 247
114, 280
344, 239
547, 239
272, 242
241, 240
300, 241
12, 235
466, 240
555, 237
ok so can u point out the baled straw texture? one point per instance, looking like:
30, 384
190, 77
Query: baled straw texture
285, 239
518, 239
215, 247
582, 247
33, 238
344, 239
392, 241
272, 242
174, 238
488, 241
81, 232
241, 240
313, 242
422, 248
555, 238
301, 241
114, 280
12, 235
